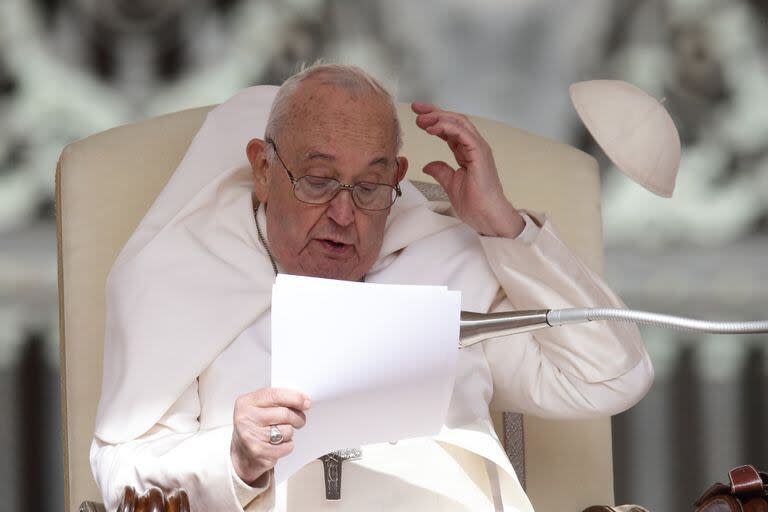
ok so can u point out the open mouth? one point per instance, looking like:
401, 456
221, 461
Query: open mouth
333, 246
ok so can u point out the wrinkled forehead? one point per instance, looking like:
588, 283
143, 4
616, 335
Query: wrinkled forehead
329, 117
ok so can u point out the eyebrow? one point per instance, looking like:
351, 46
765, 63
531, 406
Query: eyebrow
319, 155
382, 160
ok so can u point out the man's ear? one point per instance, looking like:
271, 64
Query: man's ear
402, 168
256, 151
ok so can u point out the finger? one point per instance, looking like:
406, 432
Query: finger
451, 118
463, 121
267, 455
278, 451
424, 121
430, 118
441, 171
427, 119
266, 432
280, 416
281, 397
452, 133
422, 108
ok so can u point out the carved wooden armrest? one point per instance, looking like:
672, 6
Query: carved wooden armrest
618, 508
154, 500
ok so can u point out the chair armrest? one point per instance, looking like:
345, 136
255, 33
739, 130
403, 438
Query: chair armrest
154, 500
618, 508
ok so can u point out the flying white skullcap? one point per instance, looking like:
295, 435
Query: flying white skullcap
633, 128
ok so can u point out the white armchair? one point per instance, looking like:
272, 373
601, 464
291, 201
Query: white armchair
105, 183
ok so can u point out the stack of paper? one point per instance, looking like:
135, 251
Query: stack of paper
377, 361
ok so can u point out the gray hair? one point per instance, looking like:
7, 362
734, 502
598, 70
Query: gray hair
348, 78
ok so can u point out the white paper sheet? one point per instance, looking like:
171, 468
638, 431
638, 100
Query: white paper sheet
377, 361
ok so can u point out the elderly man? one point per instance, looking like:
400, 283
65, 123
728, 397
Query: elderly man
323, 182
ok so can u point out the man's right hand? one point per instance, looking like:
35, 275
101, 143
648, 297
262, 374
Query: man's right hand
252, 453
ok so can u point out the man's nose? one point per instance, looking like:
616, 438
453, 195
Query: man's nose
341, 208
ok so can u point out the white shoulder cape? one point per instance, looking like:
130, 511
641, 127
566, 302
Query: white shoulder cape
193, 276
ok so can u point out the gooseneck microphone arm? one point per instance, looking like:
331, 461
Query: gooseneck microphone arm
476, 327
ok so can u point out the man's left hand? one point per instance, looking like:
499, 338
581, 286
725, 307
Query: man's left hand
473, 188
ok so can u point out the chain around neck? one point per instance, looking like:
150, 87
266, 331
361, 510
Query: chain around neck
262, 239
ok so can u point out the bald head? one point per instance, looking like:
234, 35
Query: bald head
290, 104
334, 118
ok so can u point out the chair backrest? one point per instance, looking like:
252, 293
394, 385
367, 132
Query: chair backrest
105, 184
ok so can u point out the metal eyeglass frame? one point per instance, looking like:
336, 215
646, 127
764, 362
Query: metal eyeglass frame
342, 186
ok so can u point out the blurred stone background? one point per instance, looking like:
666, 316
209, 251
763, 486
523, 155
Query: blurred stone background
70, 68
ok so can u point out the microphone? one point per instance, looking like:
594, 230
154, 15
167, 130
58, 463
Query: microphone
476, 327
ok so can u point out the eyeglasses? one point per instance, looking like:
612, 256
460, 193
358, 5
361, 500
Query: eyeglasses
320, 190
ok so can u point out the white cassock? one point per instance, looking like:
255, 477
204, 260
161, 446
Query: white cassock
188, 332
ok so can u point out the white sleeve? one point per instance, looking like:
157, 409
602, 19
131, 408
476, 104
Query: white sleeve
175, 453
572, 371
530, 231
246, 493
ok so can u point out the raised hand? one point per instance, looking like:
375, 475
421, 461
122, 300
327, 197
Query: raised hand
253, 455
473, 188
